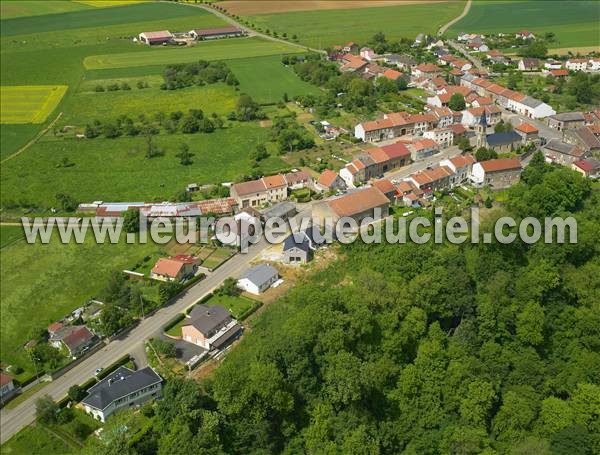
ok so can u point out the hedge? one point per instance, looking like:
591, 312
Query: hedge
173, 322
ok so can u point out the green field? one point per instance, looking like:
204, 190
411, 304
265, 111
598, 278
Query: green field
87, 106
97, 17
42, 283
575, 23
29, 103
12, 137
325, 28
266, 79
12, 9
10, 235
116, 169
209, 50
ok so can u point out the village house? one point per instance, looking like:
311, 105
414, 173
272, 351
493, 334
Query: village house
461, 166
216, 33
444, 116
528, 132
122, 389
583, 137
177, 268
473, 116
560, 152
434, 179
524, 35
588, 168
210, 327
387, 188
394, 125
442, 136
442, 98
566, 121
296, 180
258, 279
299, 247
260, 192
367, 53
352, 63
498, 173
403, 62
375, 161
75, 338
577, 64
477, 46
496, 56
391, 74
358, 205
423, 148
7, 388
528, 64
593, 64
427, 70
351, 48
552, 64
559, 73
151, 38
330, 181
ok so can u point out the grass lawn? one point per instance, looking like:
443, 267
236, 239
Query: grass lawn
10, 234
29, 103
575, 23
225, 49
237, 306
325, 28
106, 106
42, 283
36, 440
217, 257
266, 79
117, 169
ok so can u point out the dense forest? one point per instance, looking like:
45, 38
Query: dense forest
413, 349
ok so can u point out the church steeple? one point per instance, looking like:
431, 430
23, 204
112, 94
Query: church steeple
480, 130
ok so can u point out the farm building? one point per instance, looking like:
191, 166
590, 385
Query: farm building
216, 33
150, 38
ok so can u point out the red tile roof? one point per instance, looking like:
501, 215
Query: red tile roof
463, 160
385, 186
396, 150
375, 125
168, 267
78, 337
526, 128
392, 74
253, 186
274, 181
327, 178
55, 326
559, 72
377, 155
501, 164
4, 379
428, 68
358, 202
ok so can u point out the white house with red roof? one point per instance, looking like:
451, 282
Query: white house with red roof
462, 166
175, 268
587, 167
329, 181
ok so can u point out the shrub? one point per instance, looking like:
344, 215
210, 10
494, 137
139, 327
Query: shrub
99, 88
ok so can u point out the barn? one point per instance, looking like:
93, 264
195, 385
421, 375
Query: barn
150, 38
216, 33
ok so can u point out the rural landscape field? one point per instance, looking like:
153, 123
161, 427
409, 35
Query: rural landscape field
117, 115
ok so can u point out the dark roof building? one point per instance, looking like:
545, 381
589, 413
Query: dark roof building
124, 388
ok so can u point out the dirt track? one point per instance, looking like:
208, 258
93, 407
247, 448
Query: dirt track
246, 8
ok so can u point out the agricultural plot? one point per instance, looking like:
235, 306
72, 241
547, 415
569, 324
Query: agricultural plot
29, 103
97, 17
210, 50
246, 8
266, 79
13, 137
49, 281
87, 106
11, 9
321, 29
117, 169
575, 23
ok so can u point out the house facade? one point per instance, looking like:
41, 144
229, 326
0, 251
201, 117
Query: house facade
210, 327
258, 279
498, 173
122, 389
358, 205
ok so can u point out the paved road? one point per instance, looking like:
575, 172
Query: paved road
470, 57
443, 28
248, 30
12, 420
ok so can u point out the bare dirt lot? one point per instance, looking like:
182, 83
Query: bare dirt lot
246, 8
